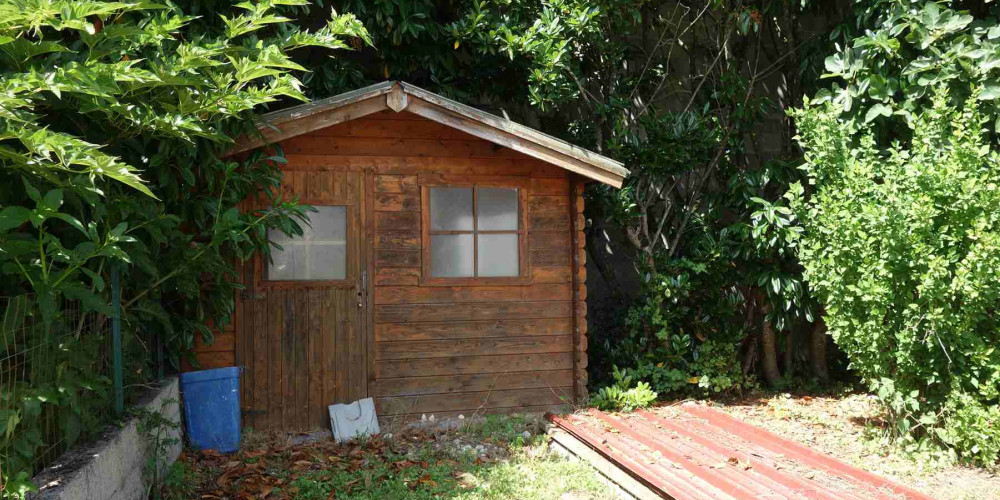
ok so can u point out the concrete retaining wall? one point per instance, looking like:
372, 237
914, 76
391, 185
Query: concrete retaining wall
112, 466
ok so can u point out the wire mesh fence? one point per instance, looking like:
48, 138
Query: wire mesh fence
64, 381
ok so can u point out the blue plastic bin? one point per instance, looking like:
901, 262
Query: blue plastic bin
212, 408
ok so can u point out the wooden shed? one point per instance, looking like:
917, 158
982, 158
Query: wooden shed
443, 272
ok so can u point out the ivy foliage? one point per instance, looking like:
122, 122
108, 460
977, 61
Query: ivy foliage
113, 117
902, 245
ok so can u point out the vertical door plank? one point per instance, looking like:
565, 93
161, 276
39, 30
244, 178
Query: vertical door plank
368, 264
301, 367
275, 322
329, 358
254, 328
315, 355
258, 363
355, 378
299, 184
287, 188
242, 342
342, 345
358, 377
288, 408
339, 186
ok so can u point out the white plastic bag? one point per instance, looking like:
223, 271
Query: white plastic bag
353, 420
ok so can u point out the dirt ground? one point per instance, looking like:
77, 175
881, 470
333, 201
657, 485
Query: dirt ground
846, 426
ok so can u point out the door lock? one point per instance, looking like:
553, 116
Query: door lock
362, 289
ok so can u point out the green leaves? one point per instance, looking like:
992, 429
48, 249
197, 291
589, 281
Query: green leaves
990, 91
112, 115
622, 395
259, 14
902, 245
876, 111
12, 217
905, 49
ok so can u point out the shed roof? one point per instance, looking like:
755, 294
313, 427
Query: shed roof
399, 96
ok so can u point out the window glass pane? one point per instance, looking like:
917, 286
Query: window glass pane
498, 255
328, 262
282, 265
328, 224
451, 255
319, 254
451, 209
497, 209
279, 237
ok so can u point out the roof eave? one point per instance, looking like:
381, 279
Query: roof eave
282, 124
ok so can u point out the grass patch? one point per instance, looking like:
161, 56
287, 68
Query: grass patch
527, 473
530, 474
514, 430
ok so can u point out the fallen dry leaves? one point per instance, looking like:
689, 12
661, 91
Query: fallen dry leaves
267, 472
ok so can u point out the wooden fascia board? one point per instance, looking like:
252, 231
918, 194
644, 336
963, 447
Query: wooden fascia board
322, 105
516, 129
272, 133
431, 111
298, 120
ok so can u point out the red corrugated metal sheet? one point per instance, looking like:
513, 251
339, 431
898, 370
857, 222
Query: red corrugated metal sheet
702, 453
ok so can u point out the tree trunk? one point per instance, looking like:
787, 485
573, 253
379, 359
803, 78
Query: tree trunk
769, 343
788, 357
817, 350
751, 340
595, 242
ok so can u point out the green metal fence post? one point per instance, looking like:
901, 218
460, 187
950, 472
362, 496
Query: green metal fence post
116, 339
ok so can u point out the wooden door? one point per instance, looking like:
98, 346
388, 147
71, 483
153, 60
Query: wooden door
301, 337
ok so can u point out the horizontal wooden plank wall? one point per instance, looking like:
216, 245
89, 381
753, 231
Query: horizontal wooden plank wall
456, 349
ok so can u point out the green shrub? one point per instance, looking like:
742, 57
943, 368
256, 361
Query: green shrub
971, 426
903, 246
622, 396
180, 482
714, 368
682, 336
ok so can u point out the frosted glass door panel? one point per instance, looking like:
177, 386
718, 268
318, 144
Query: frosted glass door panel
319, 254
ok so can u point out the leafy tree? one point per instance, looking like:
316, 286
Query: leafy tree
901, 244
898, 214
607, 75
112, 118
697, 177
